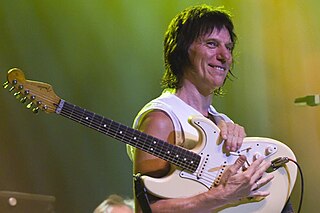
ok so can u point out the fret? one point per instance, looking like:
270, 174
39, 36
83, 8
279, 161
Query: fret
87, 118
96, 121
154, 146
121, 133
129, 134
77, 113
146, 142
134, 140
113, 129
162, 147
105, 126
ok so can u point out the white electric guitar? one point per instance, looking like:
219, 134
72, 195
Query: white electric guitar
193, 171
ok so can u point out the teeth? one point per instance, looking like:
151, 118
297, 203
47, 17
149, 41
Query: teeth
219, 68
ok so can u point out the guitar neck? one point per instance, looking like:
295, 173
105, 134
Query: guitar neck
176, 155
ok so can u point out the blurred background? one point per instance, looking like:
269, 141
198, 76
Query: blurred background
106, 56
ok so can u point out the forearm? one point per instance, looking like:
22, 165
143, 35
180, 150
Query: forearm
202, 203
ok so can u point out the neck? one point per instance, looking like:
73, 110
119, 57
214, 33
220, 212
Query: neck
195, 98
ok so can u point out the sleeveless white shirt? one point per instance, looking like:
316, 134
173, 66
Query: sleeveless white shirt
179, 112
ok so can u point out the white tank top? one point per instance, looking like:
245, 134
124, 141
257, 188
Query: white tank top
179, 112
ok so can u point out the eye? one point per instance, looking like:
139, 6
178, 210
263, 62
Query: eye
229, 47
212, 44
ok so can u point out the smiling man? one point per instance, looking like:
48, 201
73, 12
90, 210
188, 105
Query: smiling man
198, 58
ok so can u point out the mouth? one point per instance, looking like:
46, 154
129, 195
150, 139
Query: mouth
220, 68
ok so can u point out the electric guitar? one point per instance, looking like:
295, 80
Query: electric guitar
193, 171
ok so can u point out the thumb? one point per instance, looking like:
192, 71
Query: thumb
233, 169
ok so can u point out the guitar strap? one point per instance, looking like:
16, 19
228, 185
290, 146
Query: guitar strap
141, 194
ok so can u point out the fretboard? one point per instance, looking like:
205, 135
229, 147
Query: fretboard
174, 154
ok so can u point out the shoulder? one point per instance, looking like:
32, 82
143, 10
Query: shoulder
156, 121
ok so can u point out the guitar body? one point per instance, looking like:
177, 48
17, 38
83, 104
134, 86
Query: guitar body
181, 183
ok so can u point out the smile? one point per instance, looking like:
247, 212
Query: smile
218, 67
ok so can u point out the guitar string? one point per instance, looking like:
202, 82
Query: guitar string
209, 177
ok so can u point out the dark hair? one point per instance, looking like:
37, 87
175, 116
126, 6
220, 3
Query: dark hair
184, 28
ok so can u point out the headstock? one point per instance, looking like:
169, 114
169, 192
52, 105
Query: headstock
36, 95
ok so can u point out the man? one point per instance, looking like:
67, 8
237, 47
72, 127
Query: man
198, 50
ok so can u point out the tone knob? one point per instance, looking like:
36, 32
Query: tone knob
269, 150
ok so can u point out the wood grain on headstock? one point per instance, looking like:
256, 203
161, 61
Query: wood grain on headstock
40, 95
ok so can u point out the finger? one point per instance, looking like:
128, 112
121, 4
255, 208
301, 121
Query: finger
252, 169
258, 195
259, 176
238, 134
234, 137
233, 169
223, 129
261, 182
241, 135
230, 138
261, 169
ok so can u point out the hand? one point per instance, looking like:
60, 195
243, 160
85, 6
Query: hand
233, 134
245, 184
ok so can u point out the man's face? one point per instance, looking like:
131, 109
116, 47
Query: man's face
210, 58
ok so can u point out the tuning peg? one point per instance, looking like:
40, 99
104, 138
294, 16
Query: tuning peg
45, 107
5, 84
26, 92
17, 95
23, 100
20, 87
14, 82
29, 105
35, 110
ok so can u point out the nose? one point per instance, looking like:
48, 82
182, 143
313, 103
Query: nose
223, 54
